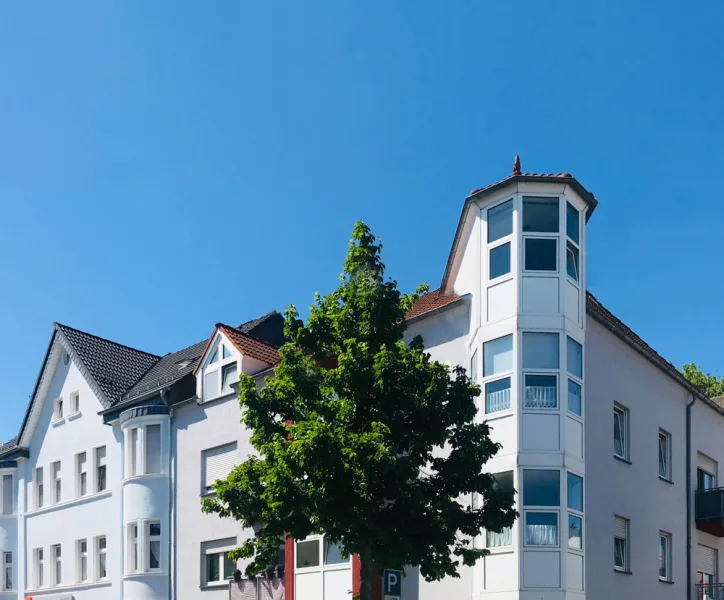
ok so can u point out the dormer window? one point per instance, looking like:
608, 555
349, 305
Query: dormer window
220, 374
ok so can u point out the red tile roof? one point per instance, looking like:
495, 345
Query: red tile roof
430, 301
250, 346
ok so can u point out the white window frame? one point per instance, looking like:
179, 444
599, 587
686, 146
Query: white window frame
56, 555
322, 567
546, 371
75, 403
626, 567
81, 556
219, 365
666, 537
665, 438
58, 412
506, 374
39, 487
81, 469
100, 552
7, 572
625, 421
133, 547
208, 549
97, 465
39, 568
56, 476
135, 443
150, 539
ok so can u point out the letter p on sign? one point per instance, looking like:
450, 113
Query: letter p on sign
392, 584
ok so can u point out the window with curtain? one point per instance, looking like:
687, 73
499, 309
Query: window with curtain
503, 482
541, 528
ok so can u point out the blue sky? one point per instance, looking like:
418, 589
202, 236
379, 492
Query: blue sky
166, 165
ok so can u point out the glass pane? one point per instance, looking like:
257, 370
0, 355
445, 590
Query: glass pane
225, 352
333, 554
214, 357
101, 478
500, 261
663, 455
498, 356
663, 556
499, 540
474, 367
308, 554
229, 377
153, 449
541, 391
541, 488
541, 529
619, 553
572, 261
540, 214
575, 492
540, 350
84, 568
102, 565
497, 395
500, 221
705, 481
154, 529
574, 355
154, 557
618, 433
229, 566
572, 222
504, 481
211, 384
574, 397
7, 494
575, 532
213, 568
541, 254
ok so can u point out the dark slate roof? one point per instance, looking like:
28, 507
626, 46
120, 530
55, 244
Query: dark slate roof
268, 328
114, 367
9, 445
167, 371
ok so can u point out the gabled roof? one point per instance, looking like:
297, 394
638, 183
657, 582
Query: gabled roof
431, 301
249, 345
114, 367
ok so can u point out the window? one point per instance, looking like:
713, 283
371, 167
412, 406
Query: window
664, 556
541, 487
541, 528
497, 359
7, 495
39, 487
58, 409
214, 357
57, 564
540, 350
575, 532
218, 567
664, 455
7, 576
572, 223
101, 550
540, 254
75, 402
574, 357
620, 432
540, 214
153, 449
333, 554
132, 563
572, 269
704, 480
575, 492
154, 546
211, 384
229, 377
504, 482
499, 263
225, 352
57, 487
308, 554
134, 452
500, 221
100, 469
218, 463
620, 544
575, 403
541, 391
82, 560
81, 474
319, 551
39, 568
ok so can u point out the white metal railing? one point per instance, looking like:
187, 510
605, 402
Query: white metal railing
538, 396
495, 401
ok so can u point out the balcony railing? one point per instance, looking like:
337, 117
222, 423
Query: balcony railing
538, 396
710, 591
495, 401
709, 511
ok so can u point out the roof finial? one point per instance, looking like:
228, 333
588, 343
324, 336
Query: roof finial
516, 165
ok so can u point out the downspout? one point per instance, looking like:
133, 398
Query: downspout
688, 497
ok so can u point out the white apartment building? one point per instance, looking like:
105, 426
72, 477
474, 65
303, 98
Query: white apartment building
613, 455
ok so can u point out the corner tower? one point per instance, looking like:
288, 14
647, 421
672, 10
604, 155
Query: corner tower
519, 251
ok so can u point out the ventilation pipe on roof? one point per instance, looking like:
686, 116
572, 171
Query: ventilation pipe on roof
688, 497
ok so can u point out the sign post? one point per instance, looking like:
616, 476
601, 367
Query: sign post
392, 585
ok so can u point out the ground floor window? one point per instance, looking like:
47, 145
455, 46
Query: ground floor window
217, 567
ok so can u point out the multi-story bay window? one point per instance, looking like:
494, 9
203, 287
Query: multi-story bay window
497, 371
500, 232
145, 451
540, 234
540, 369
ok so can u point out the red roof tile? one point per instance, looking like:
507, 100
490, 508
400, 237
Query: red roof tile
430, 301
250, 346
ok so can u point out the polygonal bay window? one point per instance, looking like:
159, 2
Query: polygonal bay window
497, 370
540, 366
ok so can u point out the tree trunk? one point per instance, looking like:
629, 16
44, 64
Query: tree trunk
365, 572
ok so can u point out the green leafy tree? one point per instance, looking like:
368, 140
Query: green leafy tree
708, 384
348, 434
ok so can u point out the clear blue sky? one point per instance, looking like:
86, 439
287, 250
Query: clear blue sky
166, 165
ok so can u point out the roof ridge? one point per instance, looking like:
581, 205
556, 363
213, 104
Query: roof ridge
98, 337
252, 337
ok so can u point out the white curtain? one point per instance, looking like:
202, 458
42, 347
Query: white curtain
499, 540
541, 535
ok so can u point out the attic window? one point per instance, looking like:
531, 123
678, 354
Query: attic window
225, 352
220, 374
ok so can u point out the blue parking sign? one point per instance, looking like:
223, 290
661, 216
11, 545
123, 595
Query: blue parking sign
392, 583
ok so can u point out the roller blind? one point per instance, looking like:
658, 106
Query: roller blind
218, 463
101, 456
707, 559
620, 527
707, 464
